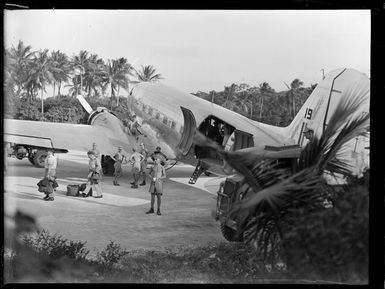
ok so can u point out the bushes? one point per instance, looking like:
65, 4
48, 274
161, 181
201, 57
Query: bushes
56, 246
332, 243
110, 255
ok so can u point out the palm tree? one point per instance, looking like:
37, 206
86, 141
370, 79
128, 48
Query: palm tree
229, 95
148, 74
19, 59
127, 70
79, 63
60, 69
294, 86
117, 75
264, 89
276, 195
94, 74
40, 74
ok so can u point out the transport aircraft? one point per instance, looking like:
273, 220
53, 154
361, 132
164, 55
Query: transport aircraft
169, 118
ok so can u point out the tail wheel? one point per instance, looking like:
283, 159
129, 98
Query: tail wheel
230, 234
39, 158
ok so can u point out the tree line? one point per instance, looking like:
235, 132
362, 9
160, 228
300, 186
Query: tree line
262, 103
29, 73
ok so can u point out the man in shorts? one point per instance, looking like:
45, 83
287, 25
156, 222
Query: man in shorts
157, 173
118, 158
136, 159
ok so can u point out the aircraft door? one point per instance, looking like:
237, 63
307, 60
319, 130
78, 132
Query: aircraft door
242, 140
189, 127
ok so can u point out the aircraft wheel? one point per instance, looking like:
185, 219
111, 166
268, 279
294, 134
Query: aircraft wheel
230, 234
39, 158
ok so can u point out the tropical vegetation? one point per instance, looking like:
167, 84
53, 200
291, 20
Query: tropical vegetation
29, 74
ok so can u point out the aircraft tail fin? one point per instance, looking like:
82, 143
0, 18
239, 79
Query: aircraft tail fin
320, 105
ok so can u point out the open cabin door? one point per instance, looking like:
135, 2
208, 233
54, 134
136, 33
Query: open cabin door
242, 140
189, 127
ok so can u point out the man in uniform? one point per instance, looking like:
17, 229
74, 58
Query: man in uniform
50, 164
118, 158
158, 154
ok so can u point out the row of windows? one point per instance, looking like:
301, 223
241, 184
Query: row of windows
149, 110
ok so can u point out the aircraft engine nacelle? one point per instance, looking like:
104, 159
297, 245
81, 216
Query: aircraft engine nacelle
104, 117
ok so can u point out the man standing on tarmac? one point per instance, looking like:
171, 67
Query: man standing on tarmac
158, 154
50, 165
136, 160
118, 158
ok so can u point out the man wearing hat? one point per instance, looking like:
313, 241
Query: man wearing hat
308, 133
50, 164
158, 154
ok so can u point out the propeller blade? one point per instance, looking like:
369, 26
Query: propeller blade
84, 103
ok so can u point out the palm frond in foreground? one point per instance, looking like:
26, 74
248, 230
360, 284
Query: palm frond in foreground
275, 195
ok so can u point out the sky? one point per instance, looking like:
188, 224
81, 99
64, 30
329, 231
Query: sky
204, 50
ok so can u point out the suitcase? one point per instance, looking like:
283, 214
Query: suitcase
73, 190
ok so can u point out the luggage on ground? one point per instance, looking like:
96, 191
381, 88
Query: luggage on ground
73, 190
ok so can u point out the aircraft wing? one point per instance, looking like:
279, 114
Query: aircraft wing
63, 136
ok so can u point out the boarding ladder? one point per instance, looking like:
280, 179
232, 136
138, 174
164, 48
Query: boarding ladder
199, 169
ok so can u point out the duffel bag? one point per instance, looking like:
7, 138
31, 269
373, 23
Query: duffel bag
72, 190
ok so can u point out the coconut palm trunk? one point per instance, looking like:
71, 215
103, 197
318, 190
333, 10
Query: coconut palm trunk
117, 98
42, 105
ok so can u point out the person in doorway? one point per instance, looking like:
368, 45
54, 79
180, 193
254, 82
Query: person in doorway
119, 157
50, 164
94, 176
136, 159
157, 173
143, 165
226, 134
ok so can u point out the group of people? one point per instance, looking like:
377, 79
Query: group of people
138, 159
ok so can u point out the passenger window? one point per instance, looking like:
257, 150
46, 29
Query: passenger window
173, 124
157, 116
165, 119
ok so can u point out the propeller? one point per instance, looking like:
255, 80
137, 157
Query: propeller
84, 103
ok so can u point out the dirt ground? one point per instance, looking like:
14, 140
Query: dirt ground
120, 215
